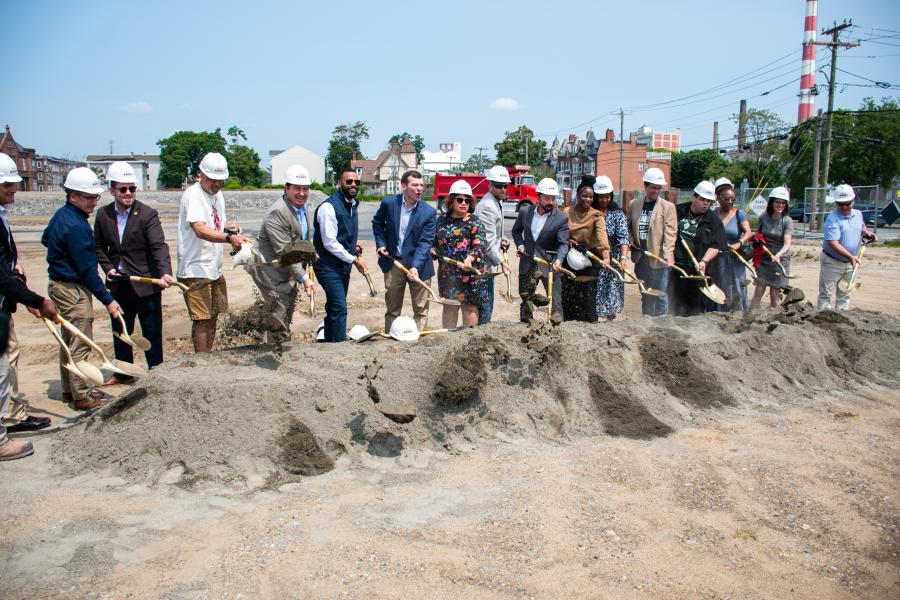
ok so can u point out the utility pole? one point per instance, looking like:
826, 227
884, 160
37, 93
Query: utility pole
526, 150
480, 150
813, 205
621, 147
715, 136
834, 44
111, 146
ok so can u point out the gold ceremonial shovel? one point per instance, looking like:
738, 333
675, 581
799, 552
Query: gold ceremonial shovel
82, 369
117, 366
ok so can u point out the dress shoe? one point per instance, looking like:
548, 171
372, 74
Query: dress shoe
94, 394
118, 380
87, 403
14, 449
29, 424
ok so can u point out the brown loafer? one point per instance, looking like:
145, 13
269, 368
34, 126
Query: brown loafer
87, 403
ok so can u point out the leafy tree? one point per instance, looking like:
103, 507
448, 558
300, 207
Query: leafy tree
689, 168
416, 140
180, 154
345, 141
243, 166
512, 150
763, 130
866, 145
475, 164
734, 169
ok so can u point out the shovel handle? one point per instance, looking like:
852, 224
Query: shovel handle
77, 332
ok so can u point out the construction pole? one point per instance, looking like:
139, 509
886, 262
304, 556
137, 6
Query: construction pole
621, 147
814, 202
480, 166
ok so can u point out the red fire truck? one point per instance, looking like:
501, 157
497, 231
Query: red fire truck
521, 189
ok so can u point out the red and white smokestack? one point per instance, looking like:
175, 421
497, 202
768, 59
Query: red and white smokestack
808, 63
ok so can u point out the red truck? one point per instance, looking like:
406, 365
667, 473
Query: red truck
521, 188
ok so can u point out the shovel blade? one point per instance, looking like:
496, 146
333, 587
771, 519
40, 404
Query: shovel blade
714, 293
86, 371
652, 292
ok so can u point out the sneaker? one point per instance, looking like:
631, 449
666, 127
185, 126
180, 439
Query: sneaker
14, 449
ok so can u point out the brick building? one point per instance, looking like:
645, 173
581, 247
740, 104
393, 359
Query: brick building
24, 158
39, 173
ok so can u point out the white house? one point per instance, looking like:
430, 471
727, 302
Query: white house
448, 156
296, 155
146, 166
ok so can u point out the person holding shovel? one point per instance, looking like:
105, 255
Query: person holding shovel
489, 211
460, 237
610, 289
285, 223
701, 228
129, 240
404, 228
541, 231
587, 232
202, 230
653, 226
845, 229
732, 273
777, 229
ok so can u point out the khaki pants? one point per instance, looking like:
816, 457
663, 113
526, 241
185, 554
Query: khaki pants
17, 411
395, 282
831, 271
280, 300
73, 301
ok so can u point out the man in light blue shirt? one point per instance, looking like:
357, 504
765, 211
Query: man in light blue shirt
845, 229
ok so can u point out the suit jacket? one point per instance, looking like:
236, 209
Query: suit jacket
12, 286
490, 213
661, 235
143, 250
419, 238
551, 244
280, 228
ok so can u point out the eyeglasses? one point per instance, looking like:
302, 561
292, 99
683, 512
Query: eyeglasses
127, 188
461, 200
500, 186
90, 197
352, 181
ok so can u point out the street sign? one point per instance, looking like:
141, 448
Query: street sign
758, 206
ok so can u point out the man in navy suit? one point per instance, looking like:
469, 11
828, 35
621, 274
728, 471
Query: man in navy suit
404, 228
541, 231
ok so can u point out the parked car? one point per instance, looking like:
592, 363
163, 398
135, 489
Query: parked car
798, 212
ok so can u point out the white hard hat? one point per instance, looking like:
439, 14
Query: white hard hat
404, 329
706, 189
603, 185
82, 179
461, 187
244, 256
320, 332
654, 176
723, 181
780, 193
121, 172
358, 331
548, 187
577, 260
843, 194
214, 166
497, 174
296, 175
9, 173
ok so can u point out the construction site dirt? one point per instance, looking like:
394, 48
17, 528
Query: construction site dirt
726, 455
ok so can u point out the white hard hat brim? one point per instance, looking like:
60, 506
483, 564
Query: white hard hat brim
10, 179
216, 176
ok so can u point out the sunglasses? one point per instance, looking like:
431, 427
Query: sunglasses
352, 181
461, 200
88, 196
500, 186
127, 188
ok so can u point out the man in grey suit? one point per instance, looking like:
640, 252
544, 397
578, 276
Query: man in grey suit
490, 212
541, 231
285, 222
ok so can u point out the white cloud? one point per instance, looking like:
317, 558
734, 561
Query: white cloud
505, 103
136, 107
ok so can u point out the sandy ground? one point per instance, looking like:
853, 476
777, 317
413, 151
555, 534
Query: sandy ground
772, 501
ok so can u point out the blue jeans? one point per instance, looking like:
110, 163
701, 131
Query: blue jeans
486, 309
335, 284
658, 279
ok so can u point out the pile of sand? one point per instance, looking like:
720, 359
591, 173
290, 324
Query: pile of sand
249, 418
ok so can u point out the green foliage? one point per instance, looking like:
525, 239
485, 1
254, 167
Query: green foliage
243, 166
416, 140
689, 168
474, 165
345, 141
866, 146
762, 130
180, 154
511, 151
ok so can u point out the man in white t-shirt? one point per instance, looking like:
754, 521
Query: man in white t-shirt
201, 230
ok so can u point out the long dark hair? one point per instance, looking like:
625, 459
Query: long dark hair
770, 209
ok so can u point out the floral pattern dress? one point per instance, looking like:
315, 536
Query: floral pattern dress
458, 238
611, 291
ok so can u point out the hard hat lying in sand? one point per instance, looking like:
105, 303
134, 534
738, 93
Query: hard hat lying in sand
320, 332
243, 256
358, 331
404, 329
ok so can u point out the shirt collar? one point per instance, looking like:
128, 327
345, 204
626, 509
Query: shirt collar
121, 213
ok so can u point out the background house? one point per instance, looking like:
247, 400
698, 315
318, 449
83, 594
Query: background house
296, 155
146, 167
381, 176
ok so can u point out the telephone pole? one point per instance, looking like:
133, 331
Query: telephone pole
834, 44
480, 150
813, 205
621, 147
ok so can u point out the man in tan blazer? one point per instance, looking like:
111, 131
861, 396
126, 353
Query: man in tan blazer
286, 221
653, 226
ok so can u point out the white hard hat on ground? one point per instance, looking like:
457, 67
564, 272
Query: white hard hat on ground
214, 166
843, 194
654, 176
9, 173
706, 189
120, 172
497, 174
296, 175
461, 187
548, 187
723, 181
82, 179
244, 256
404, 329
320, 332
603, 185
358, 331
577, 260
780, 193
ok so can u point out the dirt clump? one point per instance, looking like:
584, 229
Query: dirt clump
623, 416
301, 453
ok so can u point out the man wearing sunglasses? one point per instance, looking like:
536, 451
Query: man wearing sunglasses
72, 270
490, 212
335, 231
129, 240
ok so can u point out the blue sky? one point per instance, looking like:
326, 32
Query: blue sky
79, 74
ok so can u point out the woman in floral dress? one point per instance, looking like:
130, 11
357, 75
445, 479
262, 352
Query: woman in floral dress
460, 236
611, 291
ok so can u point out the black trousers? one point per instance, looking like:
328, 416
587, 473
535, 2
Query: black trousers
685, 297
148, 310
579, 299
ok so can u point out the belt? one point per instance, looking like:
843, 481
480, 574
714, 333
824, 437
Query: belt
837, 258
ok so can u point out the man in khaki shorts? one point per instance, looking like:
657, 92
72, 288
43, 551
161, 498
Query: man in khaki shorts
201, 230
72, 269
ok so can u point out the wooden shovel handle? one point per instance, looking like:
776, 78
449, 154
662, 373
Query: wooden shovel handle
77, 332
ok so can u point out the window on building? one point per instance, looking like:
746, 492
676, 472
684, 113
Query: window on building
641, 167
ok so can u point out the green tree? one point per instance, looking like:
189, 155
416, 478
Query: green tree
345, 142
180, 154
866, 145
512, 150
475, 164
764, 130
243, 166
735, 170
416, 140
689, 168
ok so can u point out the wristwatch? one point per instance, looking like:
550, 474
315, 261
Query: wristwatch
228, 238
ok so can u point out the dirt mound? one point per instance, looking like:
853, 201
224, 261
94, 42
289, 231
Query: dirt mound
248, 418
